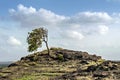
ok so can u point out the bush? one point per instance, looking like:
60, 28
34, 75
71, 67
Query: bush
60, 57
55, 49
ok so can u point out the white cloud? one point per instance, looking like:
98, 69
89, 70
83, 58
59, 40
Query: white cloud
13, 41
29, 10
30, 17
91, 17
84, 22
23, 9
74, 35
50, 16
103, 29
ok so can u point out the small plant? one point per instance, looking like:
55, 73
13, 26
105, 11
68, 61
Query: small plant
60, 57
55, 49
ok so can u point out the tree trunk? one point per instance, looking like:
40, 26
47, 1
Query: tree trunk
47, 47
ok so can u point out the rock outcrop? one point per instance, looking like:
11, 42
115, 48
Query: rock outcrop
61, 64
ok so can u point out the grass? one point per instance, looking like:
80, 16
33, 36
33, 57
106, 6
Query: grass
50, 74
55, 49
44, 71
2, 74
83, 78
38, 76
26, 77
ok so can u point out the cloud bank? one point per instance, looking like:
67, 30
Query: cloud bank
76, 26
13, 41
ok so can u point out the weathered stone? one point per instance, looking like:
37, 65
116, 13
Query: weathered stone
91, 68
101, 74
84, 62
13, 64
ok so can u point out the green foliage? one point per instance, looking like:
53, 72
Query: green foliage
60, 57
27, 77
55, 49
35, 39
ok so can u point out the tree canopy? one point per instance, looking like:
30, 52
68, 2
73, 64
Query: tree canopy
35, 39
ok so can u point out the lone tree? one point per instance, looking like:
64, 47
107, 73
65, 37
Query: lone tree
35, 39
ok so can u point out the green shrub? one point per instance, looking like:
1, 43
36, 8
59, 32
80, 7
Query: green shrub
55, 49
60, 57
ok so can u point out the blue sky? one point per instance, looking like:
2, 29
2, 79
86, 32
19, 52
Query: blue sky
84, 25
67, 7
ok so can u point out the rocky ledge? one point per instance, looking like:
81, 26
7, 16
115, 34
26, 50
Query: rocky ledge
61, 64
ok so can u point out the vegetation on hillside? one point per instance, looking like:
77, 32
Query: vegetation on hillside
63, 64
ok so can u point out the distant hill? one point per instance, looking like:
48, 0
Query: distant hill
62, 64
5, 64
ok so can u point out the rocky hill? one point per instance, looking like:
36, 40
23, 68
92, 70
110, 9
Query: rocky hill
62, 64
